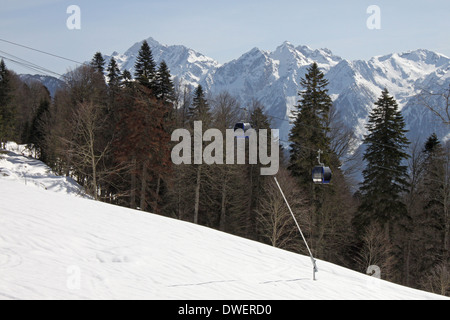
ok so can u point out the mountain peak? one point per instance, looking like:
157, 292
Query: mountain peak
273, 77
153, 43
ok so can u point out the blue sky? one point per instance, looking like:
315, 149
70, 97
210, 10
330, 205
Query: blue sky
223, 30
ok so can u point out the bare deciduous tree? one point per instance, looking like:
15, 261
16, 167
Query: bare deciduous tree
438, 280
87, 122
438, 102
376, 251
275, 221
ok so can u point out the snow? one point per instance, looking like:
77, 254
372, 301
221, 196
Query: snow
15, 166
57, 245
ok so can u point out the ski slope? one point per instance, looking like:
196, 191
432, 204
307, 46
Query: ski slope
58, 245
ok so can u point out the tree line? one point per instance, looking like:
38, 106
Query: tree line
110, 130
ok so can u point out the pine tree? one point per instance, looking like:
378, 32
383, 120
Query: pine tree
256, 183
127, 79
330, 205
145, 67
436, 195
310, 130
200, 109
37, 131
7, 113
258, 118
114, 76
164, 89
385, 176
98, 62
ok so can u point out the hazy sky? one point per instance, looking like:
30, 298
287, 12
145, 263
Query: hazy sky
223, 30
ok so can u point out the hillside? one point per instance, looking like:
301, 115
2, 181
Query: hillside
58, 245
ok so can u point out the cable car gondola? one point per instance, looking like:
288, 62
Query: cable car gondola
244, 126
321, 174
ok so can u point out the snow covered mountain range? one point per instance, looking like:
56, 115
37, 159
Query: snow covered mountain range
273, 78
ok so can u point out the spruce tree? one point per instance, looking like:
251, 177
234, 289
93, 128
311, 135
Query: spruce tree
37, 131
385, 176
114, 76
258, 118
7, 114
127, 79
329, 205
145, 67
98, 62
165, 93
164, 89
310, 130
436, 196
200, 109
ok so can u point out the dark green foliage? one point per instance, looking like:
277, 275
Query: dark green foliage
165, 92
98, 62
330, 205
145, 67
385, 176
7, 111
200, 109
37, 130
114, 77
310, 130
127, 77
258, 119
164, 89
436, 196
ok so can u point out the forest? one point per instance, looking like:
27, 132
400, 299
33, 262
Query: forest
111, 132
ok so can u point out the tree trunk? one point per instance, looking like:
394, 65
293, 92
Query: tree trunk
222, 220
158, 188
133, 183
93, 164
197, 193
144, 186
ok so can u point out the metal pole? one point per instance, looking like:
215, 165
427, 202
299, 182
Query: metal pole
300, 230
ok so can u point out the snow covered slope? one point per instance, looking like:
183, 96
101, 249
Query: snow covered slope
17, 167
57, 246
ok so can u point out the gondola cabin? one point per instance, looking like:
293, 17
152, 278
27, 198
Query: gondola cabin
321, 175
243, 126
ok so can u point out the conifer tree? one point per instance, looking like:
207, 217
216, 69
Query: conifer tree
385, 176
310, 130
98, 62
145, 67
164, 88
37, 131
200, 109
258, 118
256, 183
7, 114
126, 78
114, 76
436, 196
330, 207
